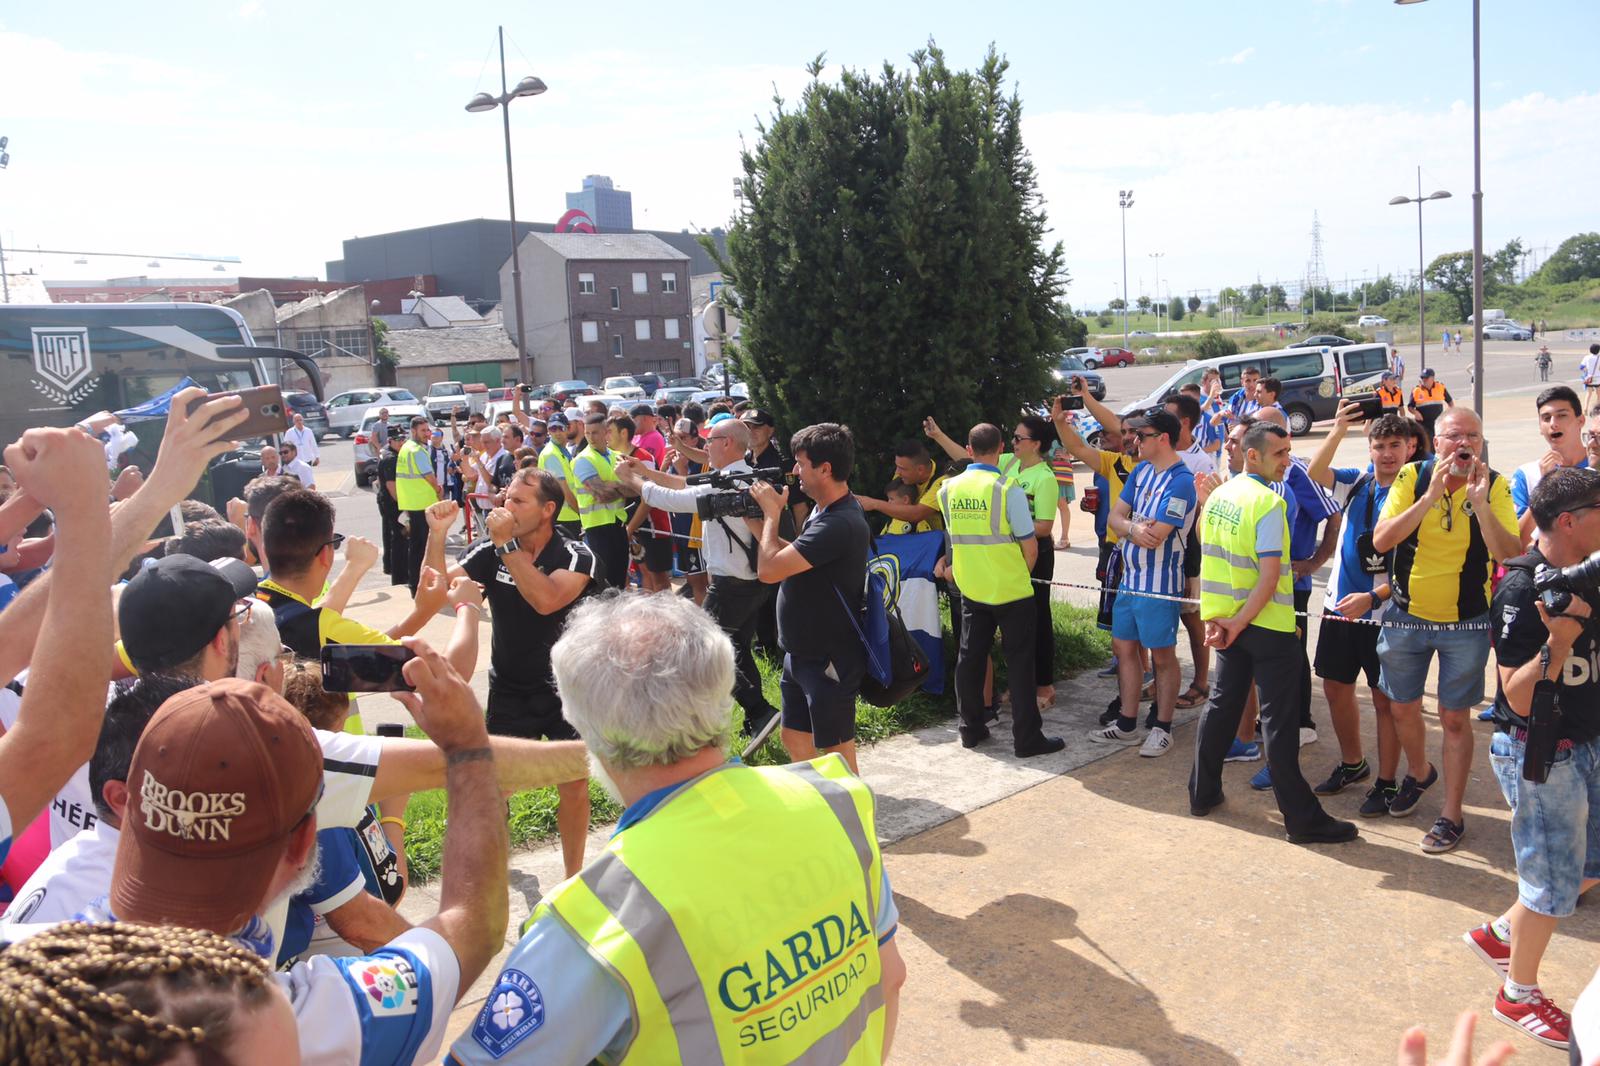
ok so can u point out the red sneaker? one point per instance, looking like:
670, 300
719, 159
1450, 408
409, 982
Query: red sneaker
1536, 1016
1490, 948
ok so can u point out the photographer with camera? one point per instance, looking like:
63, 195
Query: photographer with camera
736, 595
1546, 747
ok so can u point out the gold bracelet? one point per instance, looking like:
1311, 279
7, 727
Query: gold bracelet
392, 820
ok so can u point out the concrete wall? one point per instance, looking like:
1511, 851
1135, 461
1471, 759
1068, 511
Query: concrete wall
544, 304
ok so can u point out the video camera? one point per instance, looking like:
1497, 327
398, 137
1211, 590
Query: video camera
735, 501
1557, 585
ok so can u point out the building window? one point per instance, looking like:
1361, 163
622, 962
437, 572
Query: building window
590, 373
591, 332
616, 298
667, 368
311, 341
641, 283
616, 345
351, 341
585, 284
669, 283
641, 329
670, 329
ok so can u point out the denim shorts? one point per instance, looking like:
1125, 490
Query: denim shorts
1404, 655
1153, 623
1555, 826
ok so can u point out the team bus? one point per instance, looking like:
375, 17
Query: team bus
60, 363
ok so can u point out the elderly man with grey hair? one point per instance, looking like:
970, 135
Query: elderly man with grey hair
645, 954
736, 597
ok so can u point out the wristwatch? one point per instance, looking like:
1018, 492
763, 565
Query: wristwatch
509, 547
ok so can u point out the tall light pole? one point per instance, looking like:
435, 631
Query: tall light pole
1125, 201
1477, 212
1157, 257
1422, 304
529, 86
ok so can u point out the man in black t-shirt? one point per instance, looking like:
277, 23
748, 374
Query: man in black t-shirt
532, 574
823, 573
395, 551
1553, 822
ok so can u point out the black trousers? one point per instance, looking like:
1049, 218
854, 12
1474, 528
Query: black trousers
1015, 620
416, 546
1044, 630
1271, 659
394, 546
1302, 600
610, 547
736, 605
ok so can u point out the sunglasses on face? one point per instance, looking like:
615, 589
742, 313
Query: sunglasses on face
337, 542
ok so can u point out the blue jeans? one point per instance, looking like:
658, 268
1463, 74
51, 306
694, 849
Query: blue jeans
1555, 826
1404, 655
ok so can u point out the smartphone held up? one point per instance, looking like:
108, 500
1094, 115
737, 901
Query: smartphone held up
365, 668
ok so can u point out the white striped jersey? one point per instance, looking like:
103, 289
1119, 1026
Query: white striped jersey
1162, 496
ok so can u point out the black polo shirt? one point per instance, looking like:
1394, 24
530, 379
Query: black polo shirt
519, 657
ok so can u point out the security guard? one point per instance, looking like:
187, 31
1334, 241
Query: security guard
555, 459
1247, 604
417, 489
642, 958
601, 508
1389, 394
990, 549
1429, 400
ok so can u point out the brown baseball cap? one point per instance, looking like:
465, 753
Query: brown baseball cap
221, 776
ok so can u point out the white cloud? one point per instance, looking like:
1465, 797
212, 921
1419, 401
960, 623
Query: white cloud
249, 9
1237, 58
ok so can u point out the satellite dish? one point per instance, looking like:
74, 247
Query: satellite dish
715, 320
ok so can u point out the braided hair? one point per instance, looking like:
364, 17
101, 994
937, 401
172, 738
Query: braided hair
115, 993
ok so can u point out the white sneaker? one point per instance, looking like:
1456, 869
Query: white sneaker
1156, 744
1307, 735
1113, 735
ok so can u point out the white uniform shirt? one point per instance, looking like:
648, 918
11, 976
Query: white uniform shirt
304, 440
72, 810
723, 558
1198, 460
300, 469
1587, 368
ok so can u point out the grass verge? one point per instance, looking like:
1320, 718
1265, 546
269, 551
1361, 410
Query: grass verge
1079, 644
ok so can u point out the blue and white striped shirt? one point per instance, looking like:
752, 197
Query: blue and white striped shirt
1162, 496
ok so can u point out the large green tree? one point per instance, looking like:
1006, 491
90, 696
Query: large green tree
1452, 273
1577, 257
890, 261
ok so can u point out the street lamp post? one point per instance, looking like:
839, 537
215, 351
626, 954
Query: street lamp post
1422, 305
1125, 201
1477, 211
529, 86
1157, 257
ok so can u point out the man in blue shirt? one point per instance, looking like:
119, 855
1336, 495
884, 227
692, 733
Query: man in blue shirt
1357, 590
1561, 425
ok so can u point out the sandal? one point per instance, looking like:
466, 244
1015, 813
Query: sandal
1444, 836
1192, 697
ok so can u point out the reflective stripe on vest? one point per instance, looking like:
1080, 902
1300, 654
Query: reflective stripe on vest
411, 472
985, 554
1230, 569
796, 981
592, 512
566, 514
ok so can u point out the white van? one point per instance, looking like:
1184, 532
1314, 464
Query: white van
1313, 379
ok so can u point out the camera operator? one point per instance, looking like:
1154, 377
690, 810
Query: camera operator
1552, 820
736, 595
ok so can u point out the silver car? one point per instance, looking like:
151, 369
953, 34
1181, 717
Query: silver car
345, 409
1506, 331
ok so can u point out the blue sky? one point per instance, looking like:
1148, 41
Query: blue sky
271, 130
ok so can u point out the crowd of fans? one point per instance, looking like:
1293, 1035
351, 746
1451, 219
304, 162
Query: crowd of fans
206, 849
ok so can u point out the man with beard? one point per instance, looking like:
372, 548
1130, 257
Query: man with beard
532, 573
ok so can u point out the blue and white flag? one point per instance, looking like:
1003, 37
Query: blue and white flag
155, 406
905, 563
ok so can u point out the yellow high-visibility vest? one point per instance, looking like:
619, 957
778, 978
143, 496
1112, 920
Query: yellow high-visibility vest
413, 467
985, 555
1230, 569
592, 512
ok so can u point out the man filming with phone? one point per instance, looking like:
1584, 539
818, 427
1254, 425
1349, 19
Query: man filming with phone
736, 596
1541, 639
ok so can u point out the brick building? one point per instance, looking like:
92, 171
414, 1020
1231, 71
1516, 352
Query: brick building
600, 304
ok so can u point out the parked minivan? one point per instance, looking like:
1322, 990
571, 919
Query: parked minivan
1313, 378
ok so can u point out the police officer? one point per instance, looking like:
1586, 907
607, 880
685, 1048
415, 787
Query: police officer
416, 489
554, 458
1247, 605
395, 555
640, 958
991, 549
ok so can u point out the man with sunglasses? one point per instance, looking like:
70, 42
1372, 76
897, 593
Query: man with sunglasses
1554, 821
1447, 520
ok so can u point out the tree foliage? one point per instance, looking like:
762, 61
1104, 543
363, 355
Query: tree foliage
890, 259
1175, 309
1143, 303
1116, 305
1213, 344
1452, 273
1194, 304
1577, 257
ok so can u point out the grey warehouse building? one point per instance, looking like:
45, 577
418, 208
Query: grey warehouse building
466, 256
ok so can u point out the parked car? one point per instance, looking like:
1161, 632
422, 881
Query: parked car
1150, 353
649, 382
1323, 340
1314, 379
1071, 366
306, 405
610, 399
345, 410
739, 391
399, 415
1506, 331
623, 386
1140, 333
445, 397
563, 391
1099, 357
1367, 321
676, 393
497, 395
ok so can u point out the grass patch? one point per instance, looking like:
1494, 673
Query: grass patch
1079, 644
